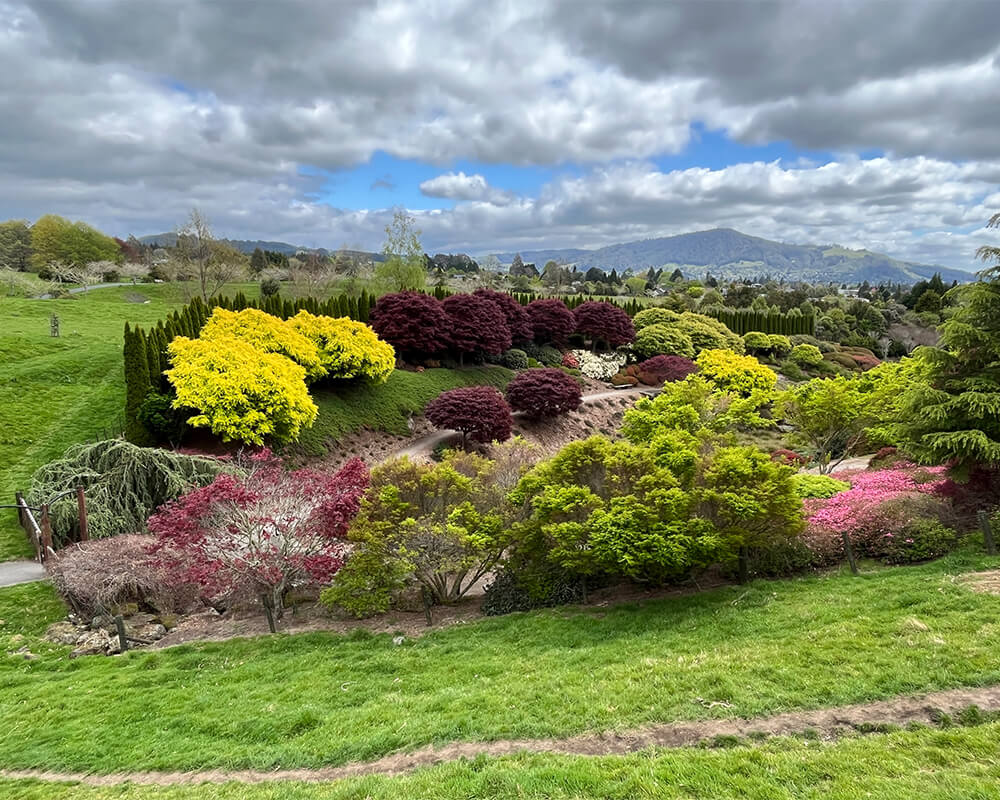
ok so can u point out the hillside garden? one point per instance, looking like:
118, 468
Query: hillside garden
687, 550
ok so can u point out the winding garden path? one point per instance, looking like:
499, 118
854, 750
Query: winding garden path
826, 722
426, 444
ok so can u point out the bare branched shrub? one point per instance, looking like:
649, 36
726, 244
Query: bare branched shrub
102, 575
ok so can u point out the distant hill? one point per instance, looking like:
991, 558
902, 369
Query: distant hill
730, 254
248, 246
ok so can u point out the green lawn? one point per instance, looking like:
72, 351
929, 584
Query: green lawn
953, 764
57, 392
320, 698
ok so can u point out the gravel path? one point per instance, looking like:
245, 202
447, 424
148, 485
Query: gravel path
426, 444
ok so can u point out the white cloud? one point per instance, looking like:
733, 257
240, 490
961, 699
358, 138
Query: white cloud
195, 103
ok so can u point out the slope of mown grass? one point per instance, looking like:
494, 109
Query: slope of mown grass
386, 406
326, 699
955, 764
57, 392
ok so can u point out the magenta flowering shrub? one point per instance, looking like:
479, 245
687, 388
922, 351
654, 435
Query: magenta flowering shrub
880, 513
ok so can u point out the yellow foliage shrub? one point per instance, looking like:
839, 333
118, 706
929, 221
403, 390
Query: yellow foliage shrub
265, 333
347, 349
241, 392
731, 372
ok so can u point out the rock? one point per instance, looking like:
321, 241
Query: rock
95, 643
149, 632
24, 651
398, 640
140, 619
64, 633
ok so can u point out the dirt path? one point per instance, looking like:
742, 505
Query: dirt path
426, 444
827, 723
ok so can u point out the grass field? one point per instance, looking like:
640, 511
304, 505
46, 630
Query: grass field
961, 763
55, 392
316, 699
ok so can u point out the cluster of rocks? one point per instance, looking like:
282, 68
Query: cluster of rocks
99, 636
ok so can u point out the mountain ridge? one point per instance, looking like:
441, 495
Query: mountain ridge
728, 253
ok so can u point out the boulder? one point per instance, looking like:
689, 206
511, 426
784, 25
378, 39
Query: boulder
64, 633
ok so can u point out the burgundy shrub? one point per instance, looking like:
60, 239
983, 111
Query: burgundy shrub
551, 321
789, 458
600, 321
518, 321
476, 324
479, 412
665, 369
541, 393
264, 534
414, 323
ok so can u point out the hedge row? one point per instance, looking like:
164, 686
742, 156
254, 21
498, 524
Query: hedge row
744, 320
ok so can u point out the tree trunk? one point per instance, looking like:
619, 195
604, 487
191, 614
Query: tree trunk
268, 600
849, 550
743, 565
425, 595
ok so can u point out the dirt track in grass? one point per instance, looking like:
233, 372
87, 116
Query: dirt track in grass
826, 723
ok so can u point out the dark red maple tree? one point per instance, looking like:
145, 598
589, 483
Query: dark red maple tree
476, 325
412, 322
663, 369
600, 321
480, 413
516, 315
551, 321
542, 393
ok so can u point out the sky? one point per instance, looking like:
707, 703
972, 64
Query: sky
510, 124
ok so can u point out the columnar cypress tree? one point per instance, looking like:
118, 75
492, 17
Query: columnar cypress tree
153, 360
364, 307
136, 385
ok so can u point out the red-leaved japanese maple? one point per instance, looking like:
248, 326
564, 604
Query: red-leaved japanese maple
542, 393
604, 322
479, 412
414, 323
476, 324
263, 534
551, 321
516, 315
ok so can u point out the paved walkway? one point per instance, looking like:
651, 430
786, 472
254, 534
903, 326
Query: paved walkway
15, 572
80, 289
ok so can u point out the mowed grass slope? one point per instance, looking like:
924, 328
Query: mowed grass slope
316, 699
57, 392
955, 764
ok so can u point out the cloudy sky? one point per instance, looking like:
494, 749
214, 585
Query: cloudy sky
508, 125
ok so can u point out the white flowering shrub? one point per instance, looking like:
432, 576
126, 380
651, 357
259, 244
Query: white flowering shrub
600, 367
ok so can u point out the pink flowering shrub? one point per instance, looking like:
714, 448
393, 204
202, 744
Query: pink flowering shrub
881, 514
569, 360
264, 534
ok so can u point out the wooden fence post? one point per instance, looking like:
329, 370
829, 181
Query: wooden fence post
984, 524
46, 532
81, 505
